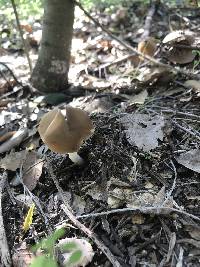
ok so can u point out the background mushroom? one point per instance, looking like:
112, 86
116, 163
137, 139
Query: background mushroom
66, 136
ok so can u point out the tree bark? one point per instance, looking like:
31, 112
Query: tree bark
51, 71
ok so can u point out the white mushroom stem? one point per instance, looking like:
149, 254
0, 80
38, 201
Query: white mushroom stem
76, 158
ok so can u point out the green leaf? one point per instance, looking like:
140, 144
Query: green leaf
43, 261
49, 242
68, 247
75, 257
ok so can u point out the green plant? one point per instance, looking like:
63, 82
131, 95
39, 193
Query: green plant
48, 247
196, 62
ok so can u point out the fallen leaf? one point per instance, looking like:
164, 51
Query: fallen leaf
139, 98
190, 159
193, 231
154, 74
24, 200
29, 218
13, 160
194, 84
143, 130
32, 170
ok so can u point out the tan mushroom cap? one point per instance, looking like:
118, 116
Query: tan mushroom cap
178, 36
180, 55
65, 136
148, 47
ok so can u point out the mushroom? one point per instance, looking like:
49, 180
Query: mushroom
182, 54
66, 136
147, 47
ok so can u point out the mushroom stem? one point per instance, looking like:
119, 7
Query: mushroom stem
76, 158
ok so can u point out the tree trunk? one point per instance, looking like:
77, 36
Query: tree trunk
51, 71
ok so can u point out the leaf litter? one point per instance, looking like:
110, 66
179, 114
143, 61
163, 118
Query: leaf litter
129, 156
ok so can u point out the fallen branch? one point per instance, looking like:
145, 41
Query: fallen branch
14, 141
148, 20
145, 210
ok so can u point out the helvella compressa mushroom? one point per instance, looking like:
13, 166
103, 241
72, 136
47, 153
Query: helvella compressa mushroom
66, 135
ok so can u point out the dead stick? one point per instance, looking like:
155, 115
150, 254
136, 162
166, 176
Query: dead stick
148, 21
21, 35
4, 250
67, 209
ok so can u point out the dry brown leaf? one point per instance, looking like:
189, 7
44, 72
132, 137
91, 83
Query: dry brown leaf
13, 160
32, 170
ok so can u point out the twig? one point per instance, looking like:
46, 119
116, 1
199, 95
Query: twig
129, 47
173, 185
145, 210
68, 211
4, 250
189, 131
21, 35
148, 20
14, 141
11, 72
179, 113
117, 61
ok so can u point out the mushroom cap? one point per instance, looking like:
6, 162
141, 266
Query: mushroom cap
148, 47
178, 54
178, 36
65, 136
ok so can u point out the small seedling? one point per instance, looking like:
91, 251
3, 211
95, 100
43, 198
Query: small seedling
48, 246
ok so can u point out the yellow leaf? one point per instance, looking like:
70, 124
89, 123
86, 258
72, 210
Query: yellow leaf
29, 218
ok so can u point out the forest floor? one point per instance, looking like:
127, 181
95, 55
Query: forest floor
139, 188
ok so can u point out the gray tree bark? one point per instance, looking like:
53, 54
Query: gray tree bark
51, 71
